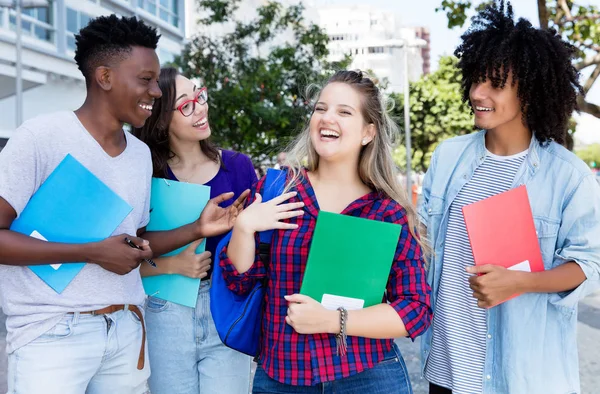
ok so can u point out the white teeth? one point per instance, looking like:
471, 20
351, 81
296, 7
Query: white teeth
486, 109
201, 122
146, 107
329, 133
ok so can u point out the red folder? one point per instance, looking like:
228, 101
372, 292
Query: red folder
502, 232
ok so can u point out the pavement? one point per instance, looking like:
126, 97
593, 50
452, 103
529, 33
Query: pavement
588, 339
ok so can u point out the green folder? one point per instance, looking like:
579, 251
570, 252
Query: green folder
172, 205
349, 261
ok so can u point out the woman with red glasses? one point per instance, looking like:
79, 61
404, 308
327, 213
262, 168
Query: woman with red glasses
186, 354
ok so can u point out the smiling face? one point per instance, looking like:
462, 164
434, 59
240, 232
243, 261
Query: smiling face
195, 126
496, 107
338, 129
134, 86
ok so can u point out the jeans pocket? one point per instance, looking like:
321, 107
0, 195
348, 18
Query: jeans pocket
154, 304
63, 329
134, 317
394, 361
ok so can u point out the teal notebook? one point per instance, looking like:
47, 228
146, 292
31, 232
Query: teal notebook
71, 206
349, 261
172, 205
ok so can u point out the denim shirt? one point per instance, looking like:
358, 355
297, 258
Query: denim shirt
531, 341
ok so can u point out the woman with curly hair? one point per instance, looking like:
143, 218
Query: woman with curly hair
522, 89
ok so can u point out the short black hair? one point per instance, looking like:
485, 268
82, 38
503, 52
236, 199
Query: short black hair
540, 61
109, 38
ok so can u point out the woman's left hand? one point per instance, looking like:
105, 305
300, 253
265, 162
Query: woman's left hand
307, 316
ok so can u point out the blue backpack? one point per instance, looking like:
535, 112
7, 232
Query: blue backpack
238, 317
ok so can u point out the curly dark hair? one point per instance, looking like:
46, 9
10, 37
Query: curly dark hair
155, 131
540, 62
109, 38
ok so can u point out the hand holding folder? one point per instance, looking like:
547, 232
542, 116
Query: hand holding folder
71, 206
502, 232
174, 204
349, 261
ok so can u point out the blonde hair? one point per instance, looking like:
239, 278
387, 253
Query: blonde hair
376, 167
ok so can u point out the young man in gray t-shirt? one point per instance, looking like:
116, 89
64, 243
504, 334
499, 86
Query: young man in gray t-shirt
90, 337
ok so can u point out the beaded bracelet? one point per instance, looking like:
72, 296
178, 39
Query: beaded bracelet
341, 338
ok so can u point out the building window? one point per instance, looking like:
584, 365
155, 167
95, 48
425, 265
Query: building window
166, 10
165, 57
35, 22
376, 50
76, 20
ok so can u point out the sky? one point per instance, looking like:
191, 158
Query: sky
444, 40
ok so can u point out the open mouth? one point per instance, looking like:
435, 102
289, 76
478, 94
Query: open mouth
146, 107
329, 135
201, 123
483, 109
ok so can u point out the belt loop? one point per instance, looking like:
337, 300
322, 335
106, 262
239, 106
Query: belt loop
75, 319
126, 308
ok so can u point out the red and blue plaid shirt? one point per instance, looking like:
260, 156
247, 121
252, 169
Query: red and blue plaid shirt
306, 360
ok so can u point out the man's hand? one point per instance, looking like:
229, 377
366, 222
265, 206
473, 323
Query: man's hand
215, 220
115, 255
494, 284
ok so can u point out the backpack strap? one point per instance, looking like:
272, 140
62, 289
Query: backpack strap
273, 187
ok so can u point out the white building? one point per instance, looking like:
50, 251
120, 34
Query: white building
51, 79
375, 39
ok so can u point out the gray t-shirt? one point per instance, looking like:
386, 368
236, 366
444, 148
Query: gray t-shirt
32, 153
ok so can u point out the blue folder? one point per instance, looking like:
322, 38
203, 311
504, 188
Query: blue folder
174, 204
71, 206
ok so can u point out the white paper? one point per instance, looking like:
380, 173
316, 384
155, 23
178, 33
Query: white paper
522, 266
39, 236
332, 302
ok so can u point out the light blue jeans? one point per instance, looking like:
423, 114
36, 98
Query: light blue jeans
186, 353
82, 354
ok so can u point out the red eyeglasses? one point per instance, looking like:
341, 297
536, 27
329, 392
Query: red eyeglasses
189, 106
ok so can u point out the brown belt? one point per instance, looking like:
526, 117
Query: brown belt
133, 308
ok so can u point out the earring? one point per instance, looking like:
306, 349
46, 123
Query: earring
364, 141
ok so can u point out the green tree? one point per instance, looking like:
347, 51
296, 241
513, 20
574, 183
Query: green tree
590, 155
256, 99
436, 113
578, 24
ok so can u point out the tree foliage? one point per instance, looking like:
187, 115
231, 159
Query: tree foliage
578, 24
590, 155
436, 113
255, 78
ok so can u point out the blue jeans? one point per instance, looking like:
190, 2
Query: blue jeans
186, 353
388, 377
82, 354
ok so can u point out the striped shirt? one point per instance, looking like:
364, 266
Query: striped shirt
458, 348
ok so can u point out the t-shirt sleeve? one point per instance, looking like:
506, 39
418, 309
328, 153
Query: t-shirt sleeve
19, 169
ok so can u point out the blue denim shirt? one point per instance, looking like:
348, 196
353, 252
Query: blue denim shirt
532, 341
